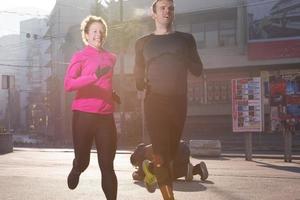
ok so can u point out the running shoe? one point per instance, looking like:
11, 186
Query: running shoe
150, 180
204, 172
73, 179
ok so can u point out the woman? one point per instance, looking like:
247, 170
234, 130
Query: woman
90, 75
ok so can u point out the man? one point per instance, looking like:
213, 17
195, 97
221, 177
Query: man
163, 59
182, 165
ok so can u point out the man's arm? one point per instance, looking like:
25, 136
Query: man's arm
195, 64
139, 67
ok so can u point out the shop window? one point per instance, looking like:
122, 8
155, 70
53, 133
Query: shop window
196, 93
183, 27
227, 31
211, 34
218, 92
198, 32
210, 92
190, 94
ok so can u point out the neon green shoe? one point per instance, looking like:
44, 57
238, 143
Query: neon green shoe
150, 180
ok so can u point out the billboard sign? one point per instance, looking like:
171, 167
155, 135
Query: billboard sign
273, 29
247, 113
285, 100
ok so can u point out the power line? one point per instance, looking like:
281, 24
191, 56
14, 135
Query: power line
22, 13
23, 66
80, 8
33, 66
228, 6
16, 59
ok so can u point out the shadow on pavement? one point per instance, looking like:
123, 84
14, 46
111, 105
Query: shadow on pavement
285, 168
209, 158
183, 186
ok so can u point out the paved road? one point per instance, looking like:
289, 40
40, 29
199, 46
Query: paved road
40, 174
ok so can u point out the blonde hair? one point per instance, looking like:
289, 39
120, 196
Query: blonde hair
86, 23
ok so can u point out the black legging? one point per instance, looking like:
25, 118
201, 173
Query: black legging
165, 117
101, 128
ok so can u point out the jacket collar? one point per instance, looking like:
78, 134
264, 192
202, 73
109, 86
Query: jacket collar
92, 49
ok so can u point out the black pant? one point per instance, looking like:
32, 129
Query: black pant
88, 127
165, 117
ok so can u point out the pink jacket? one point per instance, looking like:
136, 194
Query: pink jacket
93, 95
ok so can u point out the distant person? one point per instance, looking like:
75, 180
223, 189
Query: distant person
90, 75
182, 165
162, 61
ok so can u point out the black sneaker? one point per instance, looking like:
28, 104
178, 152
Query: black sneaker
204, 172
73, 179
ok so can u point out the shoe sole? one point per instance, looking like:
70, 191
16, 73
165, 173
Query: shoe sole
189, 173
204, 171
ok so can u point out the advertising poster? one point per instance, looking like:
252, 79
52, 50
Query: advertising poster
273, 29
285, 100
247, 105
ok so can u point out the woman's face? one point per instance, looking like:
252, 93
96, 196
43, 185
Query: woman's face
95, 34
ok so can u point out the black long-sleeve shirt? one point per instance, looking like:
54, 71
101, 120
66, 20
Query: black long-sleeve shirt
164, 61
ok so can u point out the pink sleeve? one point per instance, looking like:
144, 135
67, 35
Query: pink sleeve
73, 78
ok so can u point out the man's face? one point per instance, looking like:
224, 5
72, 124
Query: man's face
164, 14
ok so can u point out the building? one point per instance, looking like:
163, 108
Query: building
235, 40
11, 65
34, 90
65, 37
223, 32
23, 59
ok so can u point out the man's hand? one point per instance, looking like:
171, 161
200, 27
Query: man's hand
102, 71
116, 97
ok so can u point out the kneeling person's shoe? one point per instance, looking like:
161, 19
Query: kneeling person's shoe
150, 180
204, 172
73, 179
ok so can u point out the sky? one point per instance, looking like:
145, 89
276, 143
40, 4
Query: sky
14, 11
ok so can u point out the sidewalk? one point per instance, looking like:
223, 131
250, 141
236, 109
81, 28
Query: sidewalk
264, 155
40, 174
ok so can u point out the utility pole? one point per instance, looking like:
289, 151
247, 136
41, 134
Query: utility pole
9, 104
121, 81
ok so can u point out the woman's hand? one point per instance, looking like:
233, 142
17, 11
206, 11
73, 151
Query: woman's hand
102, 71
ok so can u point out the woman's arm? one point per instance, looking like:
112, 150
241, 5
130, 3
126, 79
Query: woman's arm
74, 80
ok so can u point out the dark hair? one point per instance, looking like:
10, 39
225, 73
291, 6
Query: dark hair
154, 5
